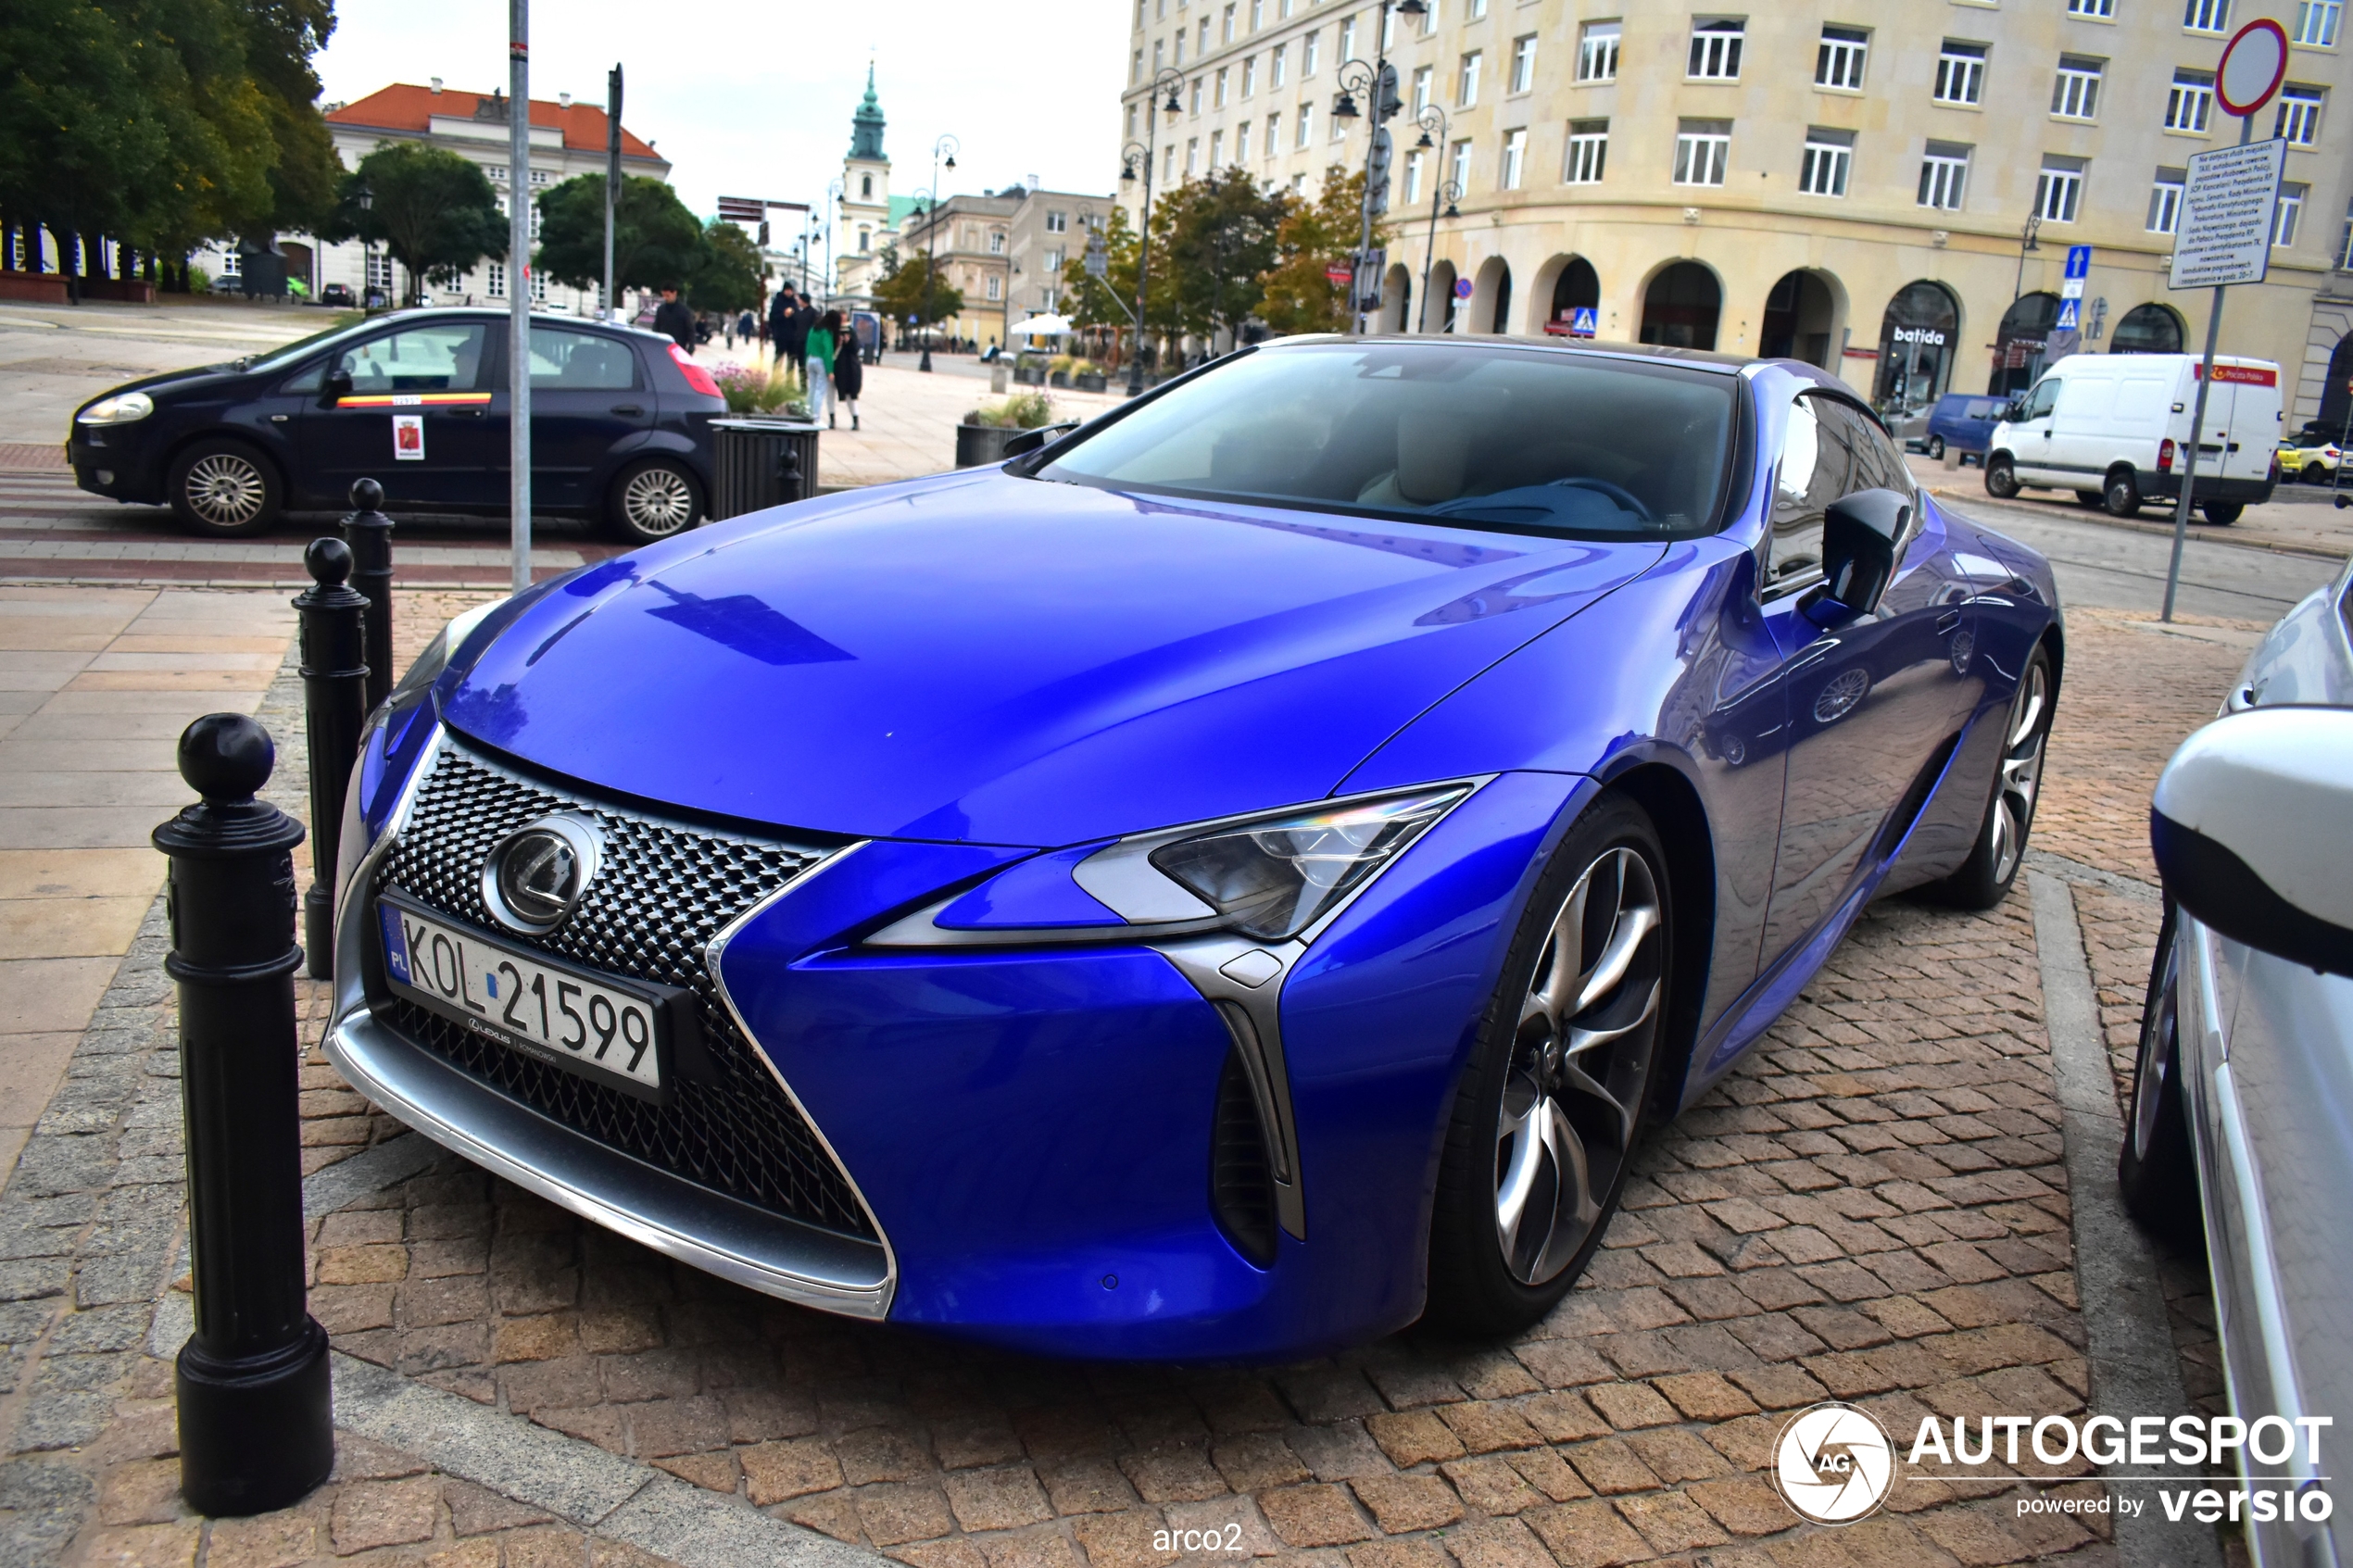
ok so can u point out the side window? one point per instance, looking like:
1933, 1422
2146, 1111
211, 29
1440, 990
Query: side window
2044, 398
446, 356
565, 359
1815, 468
308, 380
1878, 465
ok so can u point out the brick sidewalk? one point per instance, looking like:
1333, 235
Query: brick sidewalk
1872, 1208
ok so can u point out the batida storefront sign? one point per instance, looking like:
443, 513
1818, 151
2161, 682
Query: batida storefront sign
1927, 337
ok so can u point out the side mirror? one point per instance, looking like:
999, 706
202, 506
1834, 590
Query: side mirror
336, 385
1034, 439
2253, 830
2014, 410
1859, 533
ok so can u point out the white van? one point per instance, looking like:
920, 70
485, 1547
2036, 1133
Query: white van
2114, 429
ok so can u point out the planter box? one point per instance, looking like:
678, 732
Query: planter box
762, 462
135, 290
1093, 381
979, 445
1059, 378
41, 288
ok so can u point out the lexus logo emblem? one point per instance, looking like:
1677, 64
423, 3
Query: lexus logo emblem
537, 875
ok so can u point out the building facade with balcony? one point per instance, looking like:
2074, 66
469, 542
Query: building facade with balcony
1845, 181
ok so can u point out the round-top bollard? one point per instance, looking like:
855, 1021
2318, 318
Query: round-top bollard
368, 533
334, 681
256, 1424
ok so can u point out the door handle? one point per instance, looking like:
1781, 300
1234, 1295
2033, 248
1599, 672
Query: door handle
469, 413
277, 418
1948, 621
627, 409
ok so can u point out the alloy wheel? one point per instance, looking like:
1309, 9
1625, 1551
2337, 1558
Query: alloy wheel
2021, 770
1580, 1060
658, 502
2153, 1070
225, 490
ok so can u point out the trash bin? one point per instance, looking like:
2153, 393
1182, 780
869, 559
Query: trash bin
763, 463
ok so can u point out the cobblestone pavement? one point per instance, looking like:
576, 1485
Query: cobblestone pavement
1872, 1208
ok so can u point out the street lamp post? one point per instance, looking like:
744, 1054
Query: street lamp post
947, 146
1169, 81
1378, 82
2025, 243
367, 249
1432, 119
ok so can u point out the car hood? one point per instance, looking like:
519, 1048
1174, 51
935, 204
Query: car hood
984, 659
198, 379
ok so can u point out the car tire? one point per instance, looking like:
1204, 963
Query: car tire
1543, 1130
2001, 478
2222, 514
224, 489
2122, 496
654, 500
2156, 1169
1936, 447
2314, 473
1984, 879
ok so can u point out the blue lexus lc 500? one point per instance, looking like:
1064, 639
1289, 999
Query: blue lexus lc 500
1231, 881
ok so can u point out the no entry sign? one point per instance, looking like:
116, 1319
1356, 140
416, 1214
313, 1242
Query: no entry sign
2254, 61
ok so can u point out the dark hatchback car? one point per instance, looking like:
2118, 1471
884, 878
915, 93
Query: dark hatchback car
417, 400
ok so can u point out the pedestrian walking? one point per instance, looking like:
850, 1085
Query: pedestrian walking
675, 320
781, 312
850, 372
746, 325
819, 357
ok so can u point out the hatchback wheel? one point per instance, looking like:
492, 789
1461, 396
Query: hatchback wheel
2156, 1170
2001, 479
655, 500
1936, 447
224, 490
1554, 1101
1984, 878
2122, 496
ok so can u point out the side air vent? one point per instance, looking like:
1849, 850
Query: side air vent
1242, 1189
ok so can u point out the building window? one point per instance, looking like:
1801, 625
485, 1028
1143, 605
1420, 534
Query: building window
1716, 51
1413, 178
540, 176
1219, 100
2288, 214
1058, 223
1839, 61
1135, 68
865, 241
1201, 44
1524, 63
1475, 11
1053, 261
2190, 102
498, 172
1460, 173
1422, 75
2099, 10
1306, 125
1514, 158
538, 288
1192, 155
2165, 200
1944, 175
1387, 30
2059, 188
996, 287
1156, 57
1274, 133
1168, 163
1216, 148
1340, 129
2299, 121
1348, 39
1467, 80
494, 283
2076, 93
2316, 22
2207, 15
1250, 77
1226, 34
1822, 172
1241, 142
1588, 152
1257, 14
1429, 19
1597, 51
1308, 48
1702, 148
1131, 132
379, 272
2345, 243
1197, 87
1960, 73
1278, 66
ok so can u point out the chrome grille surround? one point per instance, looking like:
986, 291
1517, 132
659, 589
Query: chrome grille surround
664, 892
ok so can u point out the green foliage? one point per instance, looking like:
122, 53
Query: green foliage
1315, 236
728, 277
657, 244
1212, 243
908, 292
432, 209
1109, 300
755, 389
1022, 410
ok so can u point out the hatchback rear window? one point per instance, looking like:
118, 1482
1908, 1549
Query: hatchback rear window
1474, 436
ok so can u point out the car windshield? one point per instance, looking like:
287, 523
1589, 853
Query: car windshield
1482, 436
278, 358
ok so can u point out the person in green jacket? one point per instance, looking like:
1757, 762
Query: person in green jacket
822, 339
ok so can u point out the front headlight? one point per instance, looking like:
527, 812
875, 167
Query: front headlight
120, 409
1273, 879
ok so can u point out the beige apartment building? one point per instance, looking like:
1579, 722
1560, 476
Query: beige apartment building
1003, 252
1848, 181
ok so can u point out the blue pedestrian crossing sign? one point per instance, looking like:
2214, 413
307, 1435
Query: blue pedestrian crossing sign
1584, 322
2069, 317
2079, 261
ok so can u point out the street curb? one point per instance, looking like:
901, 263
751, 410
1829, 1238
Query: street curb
2075, 871
2135, 1369
2155, 530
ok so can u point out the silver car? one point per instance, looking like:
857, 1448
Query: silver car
2243, 1088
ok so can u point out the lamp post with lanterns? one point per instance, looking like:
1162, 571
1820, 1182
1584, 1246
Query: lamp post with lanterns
1432, 119
1167, 82
1378, 82
947, 147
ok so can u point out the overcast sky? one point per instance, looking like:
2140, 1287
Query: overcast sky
751, 99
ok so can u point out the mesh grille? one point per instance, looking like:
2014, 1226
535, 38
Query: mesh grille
1241, 1190
661, 892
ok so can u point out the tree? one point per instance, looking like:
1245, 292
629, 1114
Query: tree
910, 296
282, 36
730, 276
657, 244
1109, 300
1218, 244
432, 209
1314, 237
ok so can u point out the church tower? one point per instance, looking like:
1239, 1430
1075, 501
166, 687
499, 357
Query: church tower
866, 226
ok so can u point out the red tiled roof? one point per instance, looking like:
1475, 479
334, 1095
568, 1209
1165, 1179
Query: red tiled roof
405, 106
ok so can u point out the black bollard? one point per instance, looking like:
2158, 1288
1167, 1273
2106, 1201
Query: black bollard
368, 533
334, 681
256, 1424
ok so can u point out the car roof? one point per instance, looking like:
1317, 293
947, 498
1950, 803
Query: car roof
486, 312
1698, 358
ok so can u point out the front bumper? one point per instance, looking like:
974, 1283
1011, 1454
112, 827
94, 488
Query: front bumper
112, 460
2156, 486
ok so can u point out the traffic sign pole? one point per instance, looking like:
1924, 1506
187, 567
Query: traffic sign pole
2267, 58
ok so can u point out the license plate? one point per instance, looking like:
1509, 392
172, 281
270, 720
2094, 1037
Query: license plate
613, 1031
